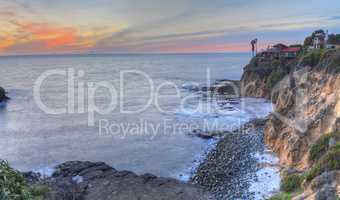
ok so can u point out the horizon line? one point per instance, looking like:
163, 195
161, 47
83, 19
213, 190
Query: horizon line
122, 54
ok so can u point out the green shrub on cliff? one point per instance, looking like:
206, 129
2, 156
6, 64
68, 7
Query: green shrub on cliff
13, 185
322, 145
328, 162
281, 196
274, 78
312, 58
291, 183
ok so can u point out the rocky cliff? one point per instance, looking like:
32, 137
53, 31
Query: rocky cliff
260, 75
86, 180
306, 117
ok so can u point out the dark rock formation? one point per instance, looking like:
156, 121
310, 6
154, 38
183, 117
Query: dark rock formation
224, 87
87, 181
208, 134
3, 96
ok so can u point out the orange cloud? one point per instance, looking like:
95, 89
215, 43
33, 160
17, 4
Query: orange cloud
27, 38
6, 42
53, 36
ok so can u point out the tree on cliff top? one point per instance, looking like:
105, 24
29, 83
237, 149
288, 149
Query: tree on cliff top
334, 39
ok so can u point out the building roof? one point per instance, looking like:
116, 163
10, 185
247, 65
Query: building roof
280, 45
291, 49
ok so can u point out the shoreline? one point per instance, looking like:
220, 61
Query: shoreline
232, 169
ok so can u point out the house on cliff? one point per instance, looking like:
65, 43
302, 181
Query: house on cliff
319, 41
280, 51
322, 40
291, 52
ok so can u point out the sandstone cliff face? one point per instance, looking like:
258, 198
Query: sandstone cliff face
307, 106
255, 84
306, 103
261, 75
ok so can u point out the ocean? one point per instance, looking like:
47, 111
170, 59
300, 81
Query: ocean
156, 104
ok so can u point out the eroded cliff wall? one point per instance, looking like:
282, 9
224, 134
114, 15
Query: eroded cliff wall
306, 118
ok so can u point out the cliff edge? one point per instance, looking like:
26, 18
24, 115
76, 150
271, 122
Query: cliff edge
305, 124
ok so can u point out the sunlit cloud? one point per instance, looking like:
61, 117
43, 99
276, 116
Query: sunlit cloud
46, 26
52, 36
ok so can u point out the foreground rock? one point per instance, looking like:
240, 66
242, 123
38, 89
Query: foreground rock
226, 170
324, 187
208, 134
89, 181
224, 87
3, 96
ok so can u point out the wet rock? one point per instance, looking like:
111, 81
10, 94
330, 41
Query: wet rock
87, 181
224, 87
226, 169
3, 96
208, 134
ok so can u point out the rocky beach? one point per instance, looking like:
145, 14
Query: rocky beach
227, 170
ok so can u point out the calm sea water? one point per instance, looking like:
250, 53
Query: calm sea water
32, 139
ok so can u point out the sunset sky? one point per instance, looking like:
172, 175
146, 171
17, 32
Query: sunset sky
158, 26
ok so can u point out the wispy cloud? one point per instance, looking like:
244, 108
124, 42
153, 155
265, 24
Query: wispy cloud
151, 26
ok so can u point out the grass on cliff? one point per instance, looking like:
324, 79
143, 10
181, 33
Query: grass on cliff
325, 155
281, 196
290, 186
14, 187
274, 77
328, 162
324, 58
312, 58
318, 149
292, 183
